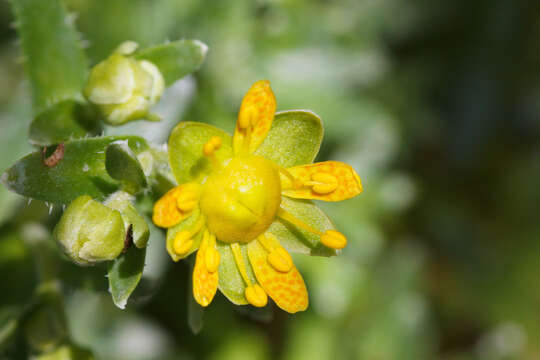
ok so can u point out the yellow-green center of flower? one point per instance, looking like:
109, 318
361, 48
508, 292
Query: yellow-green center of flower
241, 200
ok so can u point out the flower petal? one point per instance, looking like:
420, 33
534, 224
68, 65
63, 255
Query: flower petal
294, 138
328, 181
231, 283
287, 289
297, 240
255, 117
204, 282
187, 224
166, 212
186, 157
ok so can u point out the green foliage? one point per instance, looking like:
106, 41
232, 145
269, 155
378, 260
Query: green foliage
124, 274
122, 164
80, 171
175, 59
54, 58
66, 120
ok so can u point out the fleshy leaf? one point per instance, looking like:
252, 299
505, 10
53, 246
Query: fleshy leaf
122, 164
55, 61
124, 275
298, 240
231, 283
175, 59
68, 120
186, 150
294, 138
186, 224
80, 171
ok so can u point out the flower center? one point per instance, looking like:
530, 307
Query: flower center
241, 200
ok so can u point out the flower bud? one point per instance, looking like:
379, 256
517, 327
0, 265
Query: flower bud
90, 232
121, 201
125, 88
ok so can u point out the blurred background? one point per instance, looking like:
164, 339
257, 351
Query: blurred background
437, 106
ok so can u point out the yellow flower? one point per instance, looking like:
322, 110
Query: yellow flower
239, 202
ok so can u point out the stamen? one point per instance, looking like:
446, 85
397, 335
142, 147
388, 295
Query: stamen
334, 239
277, 256
188, 199
209, 149
254, 293
212, 257
238, 257
183, 241
280, 260
287, 216
256, 296
323, 183
330, 238
294, 182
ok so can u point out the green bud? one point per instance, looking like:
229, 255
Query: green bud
125, 88
90, 232
122, 202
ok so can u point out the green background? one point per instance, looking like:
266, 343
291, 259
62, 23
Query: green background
436, 104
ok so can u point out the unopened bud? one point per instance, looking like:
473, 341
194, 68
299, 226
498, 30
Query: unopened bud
125, 88
90, 232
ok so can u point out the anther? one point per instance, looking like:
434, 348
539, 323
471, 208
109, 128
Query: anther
188, 199
256, 296
246, 120
323, 183
280, 260
212, 145
334, 239
211, 259
183, 242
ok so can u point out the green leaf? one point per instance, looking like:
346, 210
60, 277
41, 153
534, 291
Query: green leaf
124, 275
175, 59
186, 224
230, 281
55, 61
186, 150
67, 120
122, 164
80, 171
294, 138
298, 240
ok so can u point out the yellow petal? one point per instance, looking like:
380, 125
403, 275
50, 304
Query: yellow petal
205, 281
286, 289
167, 210
329, 181
255, 117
